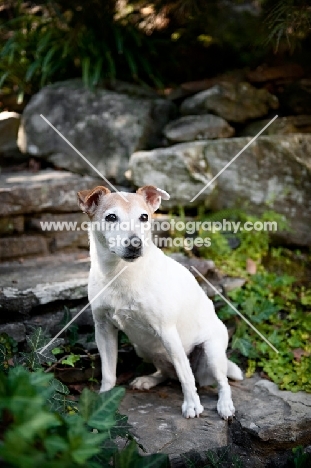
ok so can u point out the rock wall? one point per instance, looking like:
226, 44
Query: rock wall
273, 173
46, 196
134, 136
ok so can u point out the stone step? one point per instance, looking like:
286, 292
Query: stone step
40, 281
268, 422
44, 191
34, 291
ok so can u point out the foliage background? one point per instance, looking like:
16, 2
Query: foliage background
159, 43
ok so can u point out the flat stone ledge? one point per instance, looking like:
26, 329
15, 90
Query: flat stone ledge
48, 190
41, 281
268, 422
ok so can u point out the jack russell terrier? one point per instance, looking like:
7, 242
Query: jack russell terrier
157, 302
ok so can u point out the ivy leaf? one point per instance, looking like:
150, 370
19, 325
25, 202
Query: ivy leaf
83, 444
71, 360
59, 387
121, 427
98, 411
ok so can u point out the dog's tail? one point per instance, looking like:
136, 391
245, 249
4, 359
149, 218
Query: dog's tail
234, 372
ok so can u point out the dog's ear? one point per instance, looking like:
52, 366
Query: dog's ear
88, 199
153, 196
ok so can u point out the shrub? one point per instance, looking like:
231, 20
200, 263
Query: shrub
34, 436
55, 41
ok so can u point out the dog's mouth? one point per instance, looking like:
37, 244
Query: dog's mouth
130, 258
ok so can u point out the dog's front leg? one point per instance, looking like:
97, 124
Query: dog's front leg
191, 406
106, 337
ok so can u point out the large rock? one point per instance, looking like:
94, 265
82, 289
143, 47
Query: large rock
194, 127
9, 123
281, 126
273, 173
105, 126
48, 190
268, 421
235, 102
178, 169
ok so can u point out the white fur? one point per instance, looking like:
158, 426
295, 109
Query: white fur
162, 309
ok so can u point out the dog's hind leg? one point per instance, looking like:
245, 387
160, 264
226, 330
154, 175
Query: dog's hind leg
218, 366
215, 352
146, 382
204, 376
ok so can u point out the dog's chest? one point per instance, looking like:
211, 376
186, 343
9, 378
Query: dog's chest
131, 319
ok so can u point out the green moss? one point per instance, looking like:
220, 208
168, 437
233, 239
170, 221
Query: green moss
276, 300
274, 305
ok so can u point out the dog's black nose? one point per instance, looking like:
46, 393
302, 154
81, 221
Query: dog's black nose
135, 243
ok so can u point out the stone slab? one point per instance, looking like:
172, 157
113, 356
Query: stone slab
22, 246
44, 191
31, 282
41, 281
268, 421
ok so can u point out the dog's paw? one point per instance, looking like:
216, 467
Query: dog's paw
192, 408
225, 408
144, 382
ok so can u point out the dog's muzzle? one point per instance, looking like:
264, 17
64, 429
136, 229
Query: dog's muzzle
134, 249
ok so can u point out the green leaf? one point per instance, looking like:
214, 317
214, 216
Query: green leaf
243, 345
97, 71
71, 360
99, 411
83, 444
58, 386
39, 422
3, 77
86, 70
55, 444
121, 427
36, 339
31, 70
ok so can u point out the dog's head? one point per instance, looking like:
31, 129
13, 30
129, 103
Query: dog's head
122, 223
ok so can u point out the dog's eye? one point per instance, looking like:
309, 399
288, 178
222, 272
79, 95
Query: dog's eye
143, 218
111, 218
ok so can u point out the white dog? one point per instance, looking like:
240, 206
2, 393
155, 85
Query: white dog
155, 301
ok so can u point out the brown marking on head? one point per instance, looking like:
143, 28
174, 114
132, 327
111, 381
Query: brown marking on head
88, 199
152, 195
148, 197
114, 199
